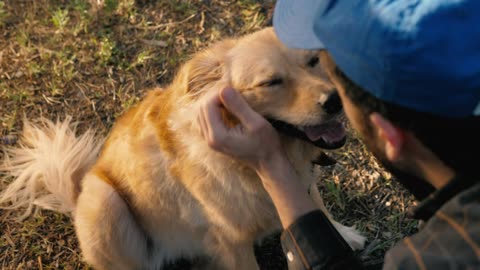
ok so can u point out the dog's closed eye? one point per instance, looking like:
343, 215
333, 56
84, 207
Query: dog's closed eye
313, 61
271, 82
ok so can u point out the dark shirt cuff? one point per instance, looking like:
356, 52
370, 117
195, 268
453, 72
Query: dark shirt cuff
312, 242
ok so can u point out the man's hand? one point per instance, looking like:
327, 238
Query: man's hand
253, 141
257, 143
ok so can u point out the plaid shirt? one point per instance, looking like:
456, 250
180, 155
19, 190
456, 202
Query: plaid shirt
450, 239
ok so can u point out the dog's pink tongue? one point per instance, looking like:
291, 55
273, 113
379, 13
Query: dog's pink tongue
330, 132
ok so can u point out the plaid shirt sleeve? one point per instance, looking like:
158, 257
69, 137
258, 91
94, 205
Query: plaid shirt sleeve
450, 239
313, 243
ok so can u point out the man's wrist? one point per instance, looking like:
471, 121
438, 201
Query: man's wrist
276, 171
286, 191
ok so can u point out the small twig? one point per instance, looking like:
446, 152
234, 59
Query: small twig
155, 27
158, 43
9, 239
50, 100
202, 22
39, 259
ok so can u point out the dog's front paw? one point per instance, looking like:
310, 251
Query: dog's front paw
353, 237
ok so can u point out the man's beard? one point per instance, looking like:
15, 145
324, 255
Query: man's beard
419, 187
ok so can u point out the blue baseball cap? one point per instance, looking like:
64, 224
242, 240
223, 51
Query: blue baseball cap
419, 54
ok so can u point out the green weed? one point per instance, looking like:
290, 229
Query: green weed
333, 189
111, 6
142, 58
80, 6
105, 51
60, 19
3, 13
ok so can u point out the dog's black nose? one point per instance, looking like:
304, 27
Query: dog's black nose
333, 104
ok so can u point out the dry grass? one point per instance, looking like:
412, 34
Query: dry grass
94, 60
359, 192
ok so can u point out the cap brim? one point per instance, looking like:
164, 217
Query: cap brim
294, 20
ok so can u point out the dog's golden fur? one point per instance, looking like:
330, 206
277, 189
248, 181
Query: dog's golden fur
157, 191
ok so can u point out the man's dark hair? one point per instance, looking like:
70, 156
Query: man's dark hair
456, 141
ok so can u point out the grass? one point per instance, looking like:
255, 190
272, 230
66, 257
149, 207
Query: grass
360, 193
3, 13
93, 61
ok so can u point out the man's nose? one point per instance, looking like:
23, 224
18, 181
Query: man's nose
332, 104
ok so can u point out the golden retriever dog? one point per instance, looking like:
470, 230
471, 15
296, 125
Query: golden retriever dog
156, 191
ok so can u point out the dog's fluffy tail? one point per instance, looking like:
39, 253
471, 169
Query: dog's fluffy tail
46, 168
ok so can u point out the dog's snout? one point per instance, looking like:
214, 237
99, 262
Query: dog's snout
332, 104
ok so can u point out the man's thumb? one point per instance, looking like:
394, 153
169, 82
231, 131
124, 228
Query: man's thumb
236, 104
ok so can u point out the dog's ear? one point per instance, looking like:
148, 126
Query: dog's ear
204, 68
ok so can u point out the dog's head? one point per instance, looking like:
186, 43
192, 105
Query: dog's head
287, 86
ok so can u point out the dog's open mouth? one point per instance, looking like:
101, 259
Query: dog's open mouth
330, 135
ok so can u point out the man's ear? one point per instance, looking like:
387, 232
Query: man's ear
204, 68
390, 137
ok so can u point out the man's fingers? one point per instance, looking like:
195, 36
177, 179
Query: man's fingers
236, 104
216, 130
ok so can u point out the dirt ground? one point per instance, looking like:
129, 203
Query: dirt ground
93, 59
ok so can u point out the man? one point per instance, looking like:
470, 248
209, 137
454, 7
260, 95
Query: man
408, 74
